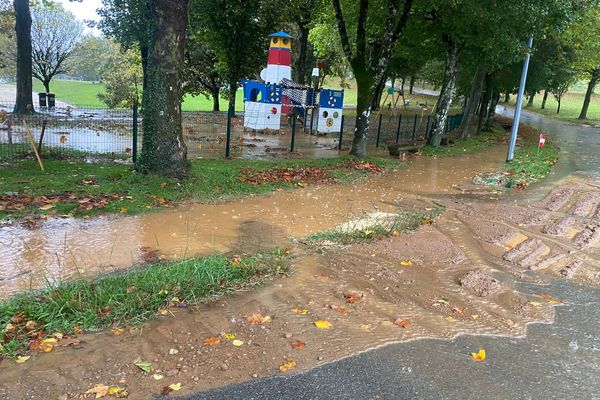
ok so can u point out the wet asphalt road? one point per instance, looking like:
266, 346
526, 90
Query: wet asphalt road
557, 361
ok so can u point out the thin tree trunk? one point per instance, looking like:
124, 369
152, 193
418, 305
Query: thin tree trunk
232, 95
24, 99
215, 96
492, 112
163, 148
412, 84
558, 108
46, 84
474, 97
485, 101
440, 118
530, 101
545, 99
303, 52
506, 97
588, 94
365, 89
379, 89
402, 87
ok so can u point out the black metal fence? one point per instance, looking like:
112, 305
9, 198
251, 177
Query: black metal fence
116, 135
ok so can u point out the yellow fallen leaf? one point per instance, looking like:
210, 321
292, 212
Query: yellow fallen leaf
406, 263
450, 319
480, 356
118, 331
547, 298
158, 377
299, 311
175, 387
229, 336
22, 359
258, 319
47, 207
237, 343
535, 303
99, 390
163, 311
290, 364
123, 210
322, 324
117, 392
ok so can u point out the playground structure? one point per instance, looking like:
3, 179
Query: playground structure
266, 101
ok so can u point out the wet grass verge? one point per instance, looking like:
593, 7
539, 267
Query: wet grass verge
469, 146
375, 226
81, 189
531, 165
127, 298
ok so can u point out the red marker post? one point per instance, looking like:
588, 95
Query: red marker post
542, 142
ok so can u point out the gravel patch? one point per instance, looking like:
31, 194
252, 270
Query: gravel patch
557, 198
481, 283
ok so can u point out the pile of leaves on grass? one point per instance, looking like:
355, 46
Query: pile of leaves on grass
14, 202
309, 175
37, 322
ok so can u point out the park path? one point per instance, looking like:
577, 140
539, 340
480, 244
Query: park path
8, 93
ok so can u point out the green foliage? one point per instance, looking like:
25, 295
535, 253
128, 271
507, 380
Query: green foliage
123, 78
92, 56
136, 295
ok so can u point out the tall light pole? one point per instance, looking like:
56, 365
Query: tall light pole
515, 127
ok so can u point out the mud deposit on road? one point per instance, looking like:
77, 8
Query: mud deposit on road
396, 288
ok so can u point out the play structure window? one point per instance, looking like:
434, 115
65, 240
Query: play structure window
275, 40
285, 41
255, 95
336, 114
325, 114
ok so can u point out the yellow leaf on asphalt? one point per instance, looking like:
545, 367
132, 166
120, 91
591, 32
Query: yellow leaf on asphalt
322, 324
299, 311
22, 359
406, 263
99, 390
175, 387
237, 343
229, 336
290, 364
117, 392
479, 356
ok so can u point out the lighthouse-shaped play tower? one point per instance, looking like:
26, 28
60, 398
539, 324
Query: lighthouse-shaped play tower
266, 101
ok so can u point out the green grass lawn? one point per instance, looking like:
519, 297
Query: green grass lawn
570, 107
78, 93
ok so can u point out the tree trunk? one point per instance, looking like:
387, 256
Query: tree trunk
24, 99
365, 91
402, 87
530, 101
545, 99
377, 95
506, 97
474, 97
438, 126
485, 101
163, 149
559, 99
303, 52
412, 84
491, 112
215, 96
588, 94
46, 84
232, 95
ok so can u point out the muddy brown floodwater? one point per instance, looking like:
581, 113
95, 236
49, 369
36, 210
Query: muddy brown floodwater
395, 289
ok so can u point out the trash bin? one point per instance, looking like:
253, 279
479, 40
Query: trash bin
42, 97
51, 100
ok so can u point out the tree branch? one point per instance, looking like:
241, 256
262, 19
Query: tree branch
339, 16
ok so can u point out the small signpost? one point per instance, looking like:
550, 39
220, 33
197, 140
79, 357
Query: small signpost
542, 142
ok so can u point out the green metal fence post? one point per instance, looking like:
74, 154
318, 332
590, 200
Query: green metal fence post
398, 129
341, 133
415, 127
293, 143
228, 139
378, 131
427, 128
134, 145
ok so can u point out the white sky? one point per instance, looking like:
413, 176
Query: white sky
84, 10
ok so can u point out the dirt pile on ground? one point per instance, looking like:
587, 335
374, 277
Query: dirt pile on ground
481, 283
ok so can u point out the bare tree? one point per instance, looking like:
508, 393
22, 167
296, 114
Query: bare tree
54, 35
24, 100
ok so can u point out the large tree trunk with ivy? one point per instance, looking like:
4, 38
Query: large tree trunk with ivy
365, 88
474, 97
163, 149
440, 118
588, 94
491, 112
24, 99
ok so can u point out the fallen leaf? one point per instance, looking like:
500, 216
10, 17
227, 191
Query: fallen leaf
173, 351
352, 298
212, 341
339, 309
229, 336
237, 343
535, 303
144, 366
297, 345
457, 310
406, 263
322, 324
99, 390
299, 311
175, 387
47, 207
547, 298
258, 319
118, 331
480, 356
43, 345
395, 234
22, 359
118, 392
158, 377
450, 319
288, 365
123, 210
403, 323
163, 311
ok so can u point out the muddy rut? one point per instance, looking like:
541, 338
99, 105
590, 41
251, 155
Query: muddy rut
452, 277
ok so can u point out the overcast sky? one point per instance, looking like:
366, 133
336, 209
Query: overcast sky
84, 10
